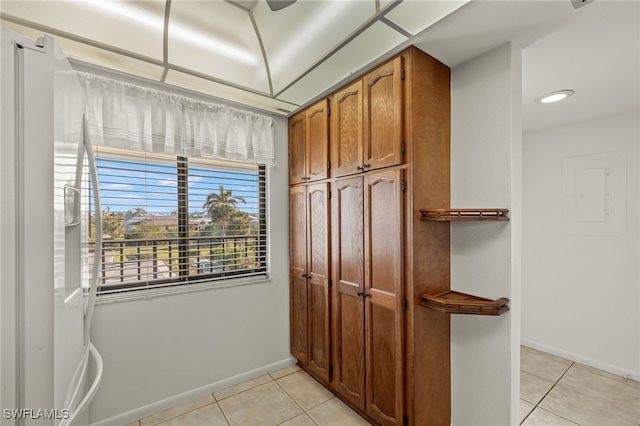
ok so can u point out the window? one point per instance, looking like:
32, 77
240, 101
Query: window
169, 221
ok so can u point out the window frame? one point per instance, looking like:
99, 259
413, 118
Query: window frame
201, 281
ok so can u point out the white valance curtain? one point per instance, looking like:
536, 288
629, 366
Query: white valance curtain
124, 115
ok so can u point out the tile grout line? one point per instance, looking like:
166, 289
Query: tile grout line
223, 414
245, 390
215, 400
272, 379
292, 398
545, 395
558, 415
181, 414
220, 407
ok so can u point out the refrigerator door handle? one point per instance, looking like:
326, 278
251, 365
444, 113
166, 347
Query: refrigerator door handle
90, 349
92, 390
97, 254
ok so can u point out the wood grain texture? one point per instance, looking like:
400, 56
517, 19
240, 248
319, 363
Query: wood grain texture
297, 149
317, 141
386, 361
383, 125
384, 282
428, 251
297, 276
346, 140
348, 306
318, 271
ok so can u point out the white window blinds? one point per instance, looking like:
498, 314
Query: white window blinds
172, 220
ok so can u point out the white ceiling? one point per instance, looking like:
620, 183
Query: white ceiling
237, 50
278, 61
594, 50
597, 54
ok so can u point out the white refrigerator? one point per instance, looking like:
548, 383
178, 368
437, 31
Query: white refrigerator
50, 371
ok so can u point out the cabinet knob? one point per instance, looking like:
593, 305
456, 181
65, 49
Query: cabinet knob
358, 168
366, 166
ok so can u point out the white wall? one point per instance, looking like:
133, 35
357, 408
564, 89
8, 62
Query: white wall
167, 350
485, 173
581, 292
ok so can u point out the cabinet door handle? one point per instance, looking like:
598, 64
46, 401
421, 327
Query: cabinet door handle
358, 168
366, 166
365, 295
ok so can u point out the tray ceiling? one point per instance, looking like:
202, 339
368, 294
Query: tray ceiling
239, 50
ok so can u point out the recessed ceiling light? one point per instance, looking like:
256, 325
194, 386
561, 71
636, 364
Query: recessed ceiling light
558, 95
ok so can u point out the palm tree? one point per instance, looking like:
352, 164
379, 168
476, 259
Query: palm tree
221, 207
140, 212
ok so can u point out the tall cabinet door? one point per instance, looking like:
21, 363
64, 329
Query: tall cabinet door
383, 105
348, 307
318, 276
383, 277
346, 140
297, 149
317, 135
297, 274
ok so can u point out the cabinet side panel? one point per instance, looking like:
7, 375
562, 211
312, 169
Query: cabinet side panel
428, 151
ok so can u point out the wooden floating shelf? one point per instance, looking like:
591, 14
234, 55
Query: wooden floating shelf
453, 302
464, 214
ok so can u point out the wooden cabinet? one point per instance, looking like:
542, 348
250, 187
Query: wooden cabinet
390, 154
383, 124
309, 277
368, 301
297, 149
317, 135
346, 139
309, 144
368, 123
348, 276
384, 295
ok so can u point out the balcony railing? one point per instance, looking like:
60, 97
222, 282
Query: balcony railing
153, 262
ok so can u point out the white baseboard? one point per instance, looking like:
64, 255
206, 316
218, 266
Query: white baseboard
165, 404
629, 374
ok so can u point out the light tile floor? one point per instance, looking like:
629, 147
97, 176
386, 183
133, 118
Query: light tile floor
555, 392
289, 397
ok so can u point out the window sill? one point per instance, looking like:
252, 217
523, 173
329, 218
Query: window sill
152, 293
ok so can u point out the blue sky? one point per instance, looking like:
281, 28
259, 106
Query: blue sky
126, 184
